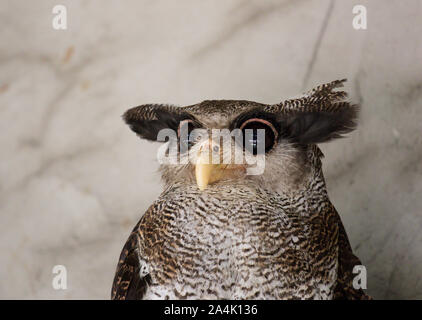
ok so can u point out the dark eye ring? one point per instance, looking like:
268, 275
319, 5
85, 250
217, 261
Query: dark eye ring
271, 136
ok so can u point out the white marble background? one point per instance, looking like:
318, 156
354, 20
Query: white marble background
74, 180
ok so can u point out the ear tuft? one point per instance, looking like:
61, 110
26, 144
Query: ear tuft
148, 120
320, 126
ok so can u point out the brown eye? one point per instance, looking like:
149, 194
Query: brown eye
258, 134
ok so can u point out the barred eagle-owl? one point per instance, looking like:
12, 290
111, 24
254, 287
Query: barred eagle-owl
219, 231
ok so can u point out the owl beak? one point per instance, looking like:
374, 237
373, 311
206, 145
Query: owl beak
205, 171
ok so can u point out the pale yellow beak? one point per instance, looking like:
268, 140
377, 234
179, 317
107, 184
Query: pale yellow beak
206, 172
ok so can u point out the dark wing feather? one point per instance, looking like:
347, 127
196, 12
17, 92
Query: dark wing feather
128, 283
347, 260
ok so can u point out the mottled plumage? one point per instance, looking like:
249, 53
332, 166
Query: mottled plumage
270, 236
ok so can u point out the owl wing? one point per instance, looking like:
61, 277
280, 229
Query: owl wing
128, 282
347, 260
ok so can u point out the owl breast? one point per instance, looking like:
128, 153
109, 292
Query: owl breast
238, 242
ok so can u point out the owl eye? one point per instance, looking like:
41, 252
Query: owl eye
184, 133
258, 134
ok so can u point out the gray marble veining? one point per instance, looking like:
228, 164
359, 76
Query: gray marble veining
74, 180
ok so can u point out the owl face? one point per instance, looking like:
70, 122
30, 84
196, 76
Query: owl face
220, 141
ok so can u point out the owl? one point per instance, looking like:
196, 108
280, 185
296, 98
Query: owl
245, 212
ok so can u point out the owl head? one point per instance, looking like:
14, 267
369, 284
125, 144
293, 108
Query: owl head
220, 142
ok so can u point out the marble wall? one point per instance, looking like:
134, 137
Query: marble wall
74, 180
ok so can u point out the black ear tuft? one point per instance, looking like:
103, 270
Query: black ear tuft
319, 126
148, 120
